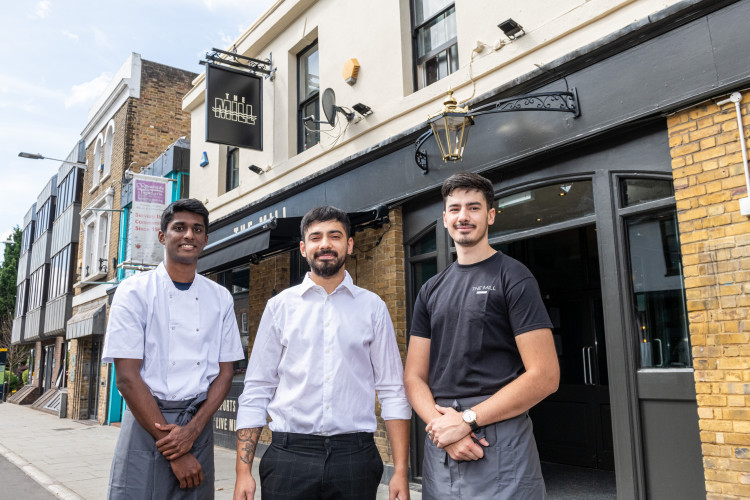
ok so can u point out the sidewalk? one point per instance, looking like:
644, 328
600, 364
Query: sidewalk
71, 459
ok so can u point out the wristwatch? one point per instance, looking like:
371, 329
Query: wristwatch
470, 417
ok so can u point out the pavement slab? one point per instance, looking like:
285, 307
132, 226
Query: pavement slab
71, 459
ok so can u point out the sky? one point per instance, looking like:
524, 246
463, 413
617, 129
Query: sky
60, 55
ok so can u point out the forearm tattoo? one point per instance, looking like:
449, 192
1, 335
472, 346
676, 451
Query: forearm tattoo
247, 441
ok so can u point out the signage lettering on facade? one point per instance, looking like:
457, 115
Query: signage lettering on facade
234, 98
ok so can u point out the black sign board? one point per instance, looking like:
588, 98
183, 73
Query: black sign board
233, 107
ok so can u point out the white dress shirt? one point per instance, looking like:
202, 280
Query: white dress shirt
181, 336
318, 360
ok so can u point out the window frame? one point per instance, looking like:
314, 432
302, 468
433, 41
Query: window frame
302, 103
232, 168
418, 67
95, 251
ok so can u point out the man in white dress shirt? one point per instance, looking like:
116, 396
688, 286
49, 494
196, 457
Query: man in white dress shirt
173, 337
321, 351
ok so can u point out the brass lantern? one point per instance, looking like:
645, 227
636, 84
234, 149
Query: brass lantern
451, 128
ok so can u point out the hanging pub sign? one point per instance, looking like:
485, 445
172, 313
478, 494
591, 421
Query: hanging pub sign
233, 107
151, 195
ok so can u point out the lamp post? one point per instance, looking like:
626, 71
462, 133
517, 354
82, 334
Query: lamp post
37, 156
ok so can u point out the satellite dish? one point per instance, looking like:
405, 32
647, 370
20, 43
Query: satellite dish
328, 101
329, 106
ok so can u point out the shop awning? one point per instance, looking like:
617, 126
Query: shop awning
91, 321
276, 235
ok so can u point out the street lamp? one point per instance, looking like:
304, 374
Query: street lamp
37, 156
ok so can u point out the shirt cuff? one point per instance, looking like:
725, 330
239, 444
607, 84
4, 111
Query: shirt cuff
249, 418
395, 409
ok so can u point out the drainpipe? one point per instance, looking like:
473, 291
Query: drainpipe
736, 98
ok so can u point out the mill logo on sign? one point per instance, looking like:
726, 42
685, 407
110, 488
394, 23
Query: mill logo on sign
234, 109
233, 104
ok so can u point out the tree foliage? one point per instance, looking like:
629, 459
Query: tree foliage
8, 272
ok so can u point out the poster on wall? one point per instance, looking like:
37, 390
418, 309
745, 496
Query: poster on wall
233, 107
151, 195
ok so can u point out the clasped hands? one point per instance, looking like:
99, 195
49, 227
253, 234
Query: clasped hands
450, 432
175, 447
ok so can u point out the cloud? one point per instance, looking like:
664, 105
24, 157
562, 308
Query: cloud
42, 9
72, 36
87, 91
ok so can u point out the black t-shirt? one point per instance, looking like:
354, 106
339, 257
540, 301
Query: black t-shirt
471, 314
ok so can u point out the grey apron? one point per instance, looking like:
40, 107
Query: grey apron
140, 472
509, 470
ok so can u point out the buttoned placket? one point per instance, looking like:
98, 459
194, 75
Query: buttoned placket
328, 362
180, 303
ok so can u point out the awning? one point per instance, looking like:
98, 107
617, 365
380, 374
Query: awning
276, 235
92, 321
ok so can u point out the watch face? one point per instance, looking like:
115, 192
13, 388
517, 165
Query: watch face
469, 416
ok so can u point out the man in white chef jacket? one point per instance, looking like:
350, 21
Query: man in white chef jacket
173, 337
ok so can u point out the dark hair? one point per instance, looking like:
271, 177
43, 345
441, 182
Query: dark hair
183, 205
325, 214
470, 182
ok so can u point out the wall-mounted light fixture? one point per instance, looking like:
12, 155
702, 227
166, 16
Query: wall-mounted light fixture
204, 160
450, 126
37, 156
256, 169
511, 29
362, 109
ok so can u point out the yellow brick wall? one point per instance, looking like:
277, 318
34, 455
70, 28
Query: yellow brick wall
715, 238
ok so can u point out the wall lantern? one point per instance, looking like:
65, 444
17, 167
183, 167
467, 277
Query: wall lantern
451, 125
451, 128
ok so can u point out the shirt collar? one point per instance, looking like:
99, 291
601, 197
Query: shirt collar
161, 271
346, 284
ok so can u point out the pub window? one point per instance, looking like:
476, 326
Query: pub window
435, 40
233, 168
658, 290
308, 90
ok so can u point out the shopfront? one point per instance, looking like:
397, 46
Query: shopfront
591, 205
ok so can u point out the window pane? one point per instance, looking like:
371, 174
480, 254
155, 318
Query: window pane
658, 293
233, 172
424, 9
426, 244
438, 32
542, 206
310, 135
636, 191
308, 73
422, 272
241, 280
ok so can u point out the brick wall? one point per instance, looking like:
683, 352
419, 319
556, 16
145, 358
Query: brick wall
144, 128
715, 238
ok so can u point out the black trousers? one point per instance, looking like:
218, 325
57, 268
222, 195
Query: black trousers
302, 466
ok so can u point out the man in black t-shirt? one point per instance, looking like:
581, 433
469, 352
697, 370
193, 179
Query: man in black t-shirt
481, 354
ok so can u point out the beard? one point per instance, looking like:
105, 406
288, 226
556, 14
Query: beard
468, 240
327, 268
